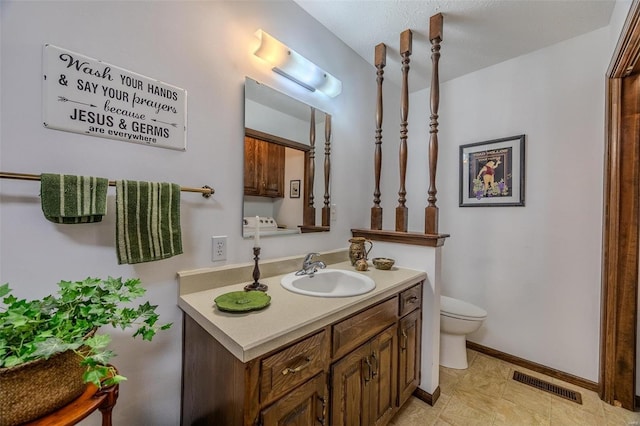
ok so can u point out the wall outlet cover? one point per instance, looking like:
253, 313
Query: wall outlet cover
219, 248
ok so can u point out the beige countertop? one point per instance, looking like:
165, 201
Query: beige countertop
289, 316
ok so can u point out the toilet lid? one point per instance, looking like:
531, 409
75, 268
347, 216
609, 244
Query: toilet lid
460, 309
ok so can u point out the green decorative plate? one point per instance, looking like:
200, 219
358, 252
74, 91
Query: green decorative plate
242, 301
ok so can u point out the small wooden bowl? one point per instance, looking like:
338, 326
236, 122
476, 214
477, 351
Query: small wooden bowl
383, 263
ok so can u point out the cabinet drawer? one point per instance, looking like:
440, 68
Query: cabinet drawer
289, 367
353, 331
410, 299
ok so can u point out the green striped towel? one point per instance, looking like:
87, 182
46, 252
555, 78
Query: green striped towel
73, 199
147, 221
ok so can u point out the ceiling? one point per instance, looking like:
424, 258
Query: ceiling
476, 33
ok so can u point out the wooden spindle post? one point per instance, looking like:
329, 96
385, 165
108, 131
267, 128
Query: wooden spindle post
309, 218
380, 62
431, 211
326, 210
402, 212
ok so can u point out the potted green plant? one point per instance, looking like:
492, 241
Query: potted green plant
62, 332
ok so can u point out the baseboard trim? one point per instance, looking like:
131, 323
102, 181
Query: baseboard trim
551, 372
430, 399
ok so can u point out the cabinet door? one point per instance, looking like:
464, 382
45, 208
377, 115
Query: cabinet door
409, 333
304, 406
384, 376
272, 169
263, 168
251, 178
350, 384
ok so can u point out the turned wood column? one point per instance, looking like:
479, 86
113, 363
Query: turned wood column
380, 62
402, 212
431, 211
326, 210
309, 210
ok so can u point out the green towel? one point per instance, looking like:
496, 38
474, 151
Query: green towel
73, 199
147, 221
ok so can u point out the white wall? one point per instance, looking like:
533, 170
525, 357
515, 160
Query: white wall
618, 17
205, 48
535, 269
290, 210
269, 120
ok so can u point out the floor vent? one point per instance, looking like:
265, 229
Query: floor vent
547, 387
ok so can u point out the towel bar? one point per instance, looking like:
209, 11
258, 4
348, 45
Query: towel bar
206, 190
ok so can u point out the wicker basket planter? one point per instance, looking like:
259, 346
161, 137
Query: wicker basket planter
31, 390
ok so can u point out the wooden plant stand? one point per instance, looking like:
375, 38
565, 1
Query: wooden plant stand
91, 400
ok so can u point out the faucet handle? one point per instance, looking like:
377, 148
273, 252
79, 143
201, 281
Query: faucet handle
309, 256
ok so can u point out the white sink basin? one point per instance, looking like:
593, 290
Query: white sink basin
329, 283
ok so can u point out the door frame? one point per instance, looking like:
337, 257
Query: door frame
621, 215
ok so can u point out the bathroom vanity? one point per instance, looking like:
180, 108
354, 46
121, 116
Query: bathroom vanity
302, 360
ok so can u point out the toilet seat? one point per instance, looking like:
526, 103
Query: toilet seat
455, 308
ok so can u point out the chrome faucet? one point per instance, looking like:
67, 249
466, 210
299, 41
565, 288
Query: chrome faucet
309, 267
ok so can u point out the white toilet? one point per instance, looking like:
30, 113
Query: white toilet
457, 319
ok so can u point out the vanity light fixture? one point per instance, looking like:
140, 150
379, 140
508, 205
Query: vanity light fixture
290, 64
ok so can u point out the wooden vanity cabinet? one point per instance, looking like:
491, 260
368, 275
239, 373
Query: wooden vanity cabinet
263, 168
356, 371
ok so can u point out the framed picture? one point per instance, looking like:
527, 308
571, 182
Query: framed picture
294, 189
492, 173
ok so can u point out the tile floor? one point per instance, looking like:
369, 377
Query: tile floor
485, 394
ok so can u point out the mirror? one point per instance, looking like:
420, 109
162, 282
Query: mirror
286, 164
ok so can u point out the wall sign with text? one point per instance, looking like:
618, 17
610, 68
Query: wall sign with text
88, 96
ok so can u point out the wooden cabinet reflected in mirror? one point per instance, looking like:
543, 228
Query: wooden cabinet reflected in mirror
285, 142
263, 167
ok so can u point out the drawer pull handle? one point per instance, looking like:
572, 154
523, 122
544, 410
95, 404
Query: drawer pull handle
412, 299
289, 370
374, 371
323, 410
403, 346
368, 376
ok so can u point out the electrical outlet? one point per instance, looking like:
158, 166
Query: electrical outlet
333, 213
219, 247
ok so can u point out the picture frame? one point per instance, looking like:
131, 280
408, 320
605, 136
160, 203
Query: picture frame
492, 173
294, 189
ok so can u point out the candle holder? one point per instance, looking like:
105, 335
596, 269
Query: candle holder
256, 274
